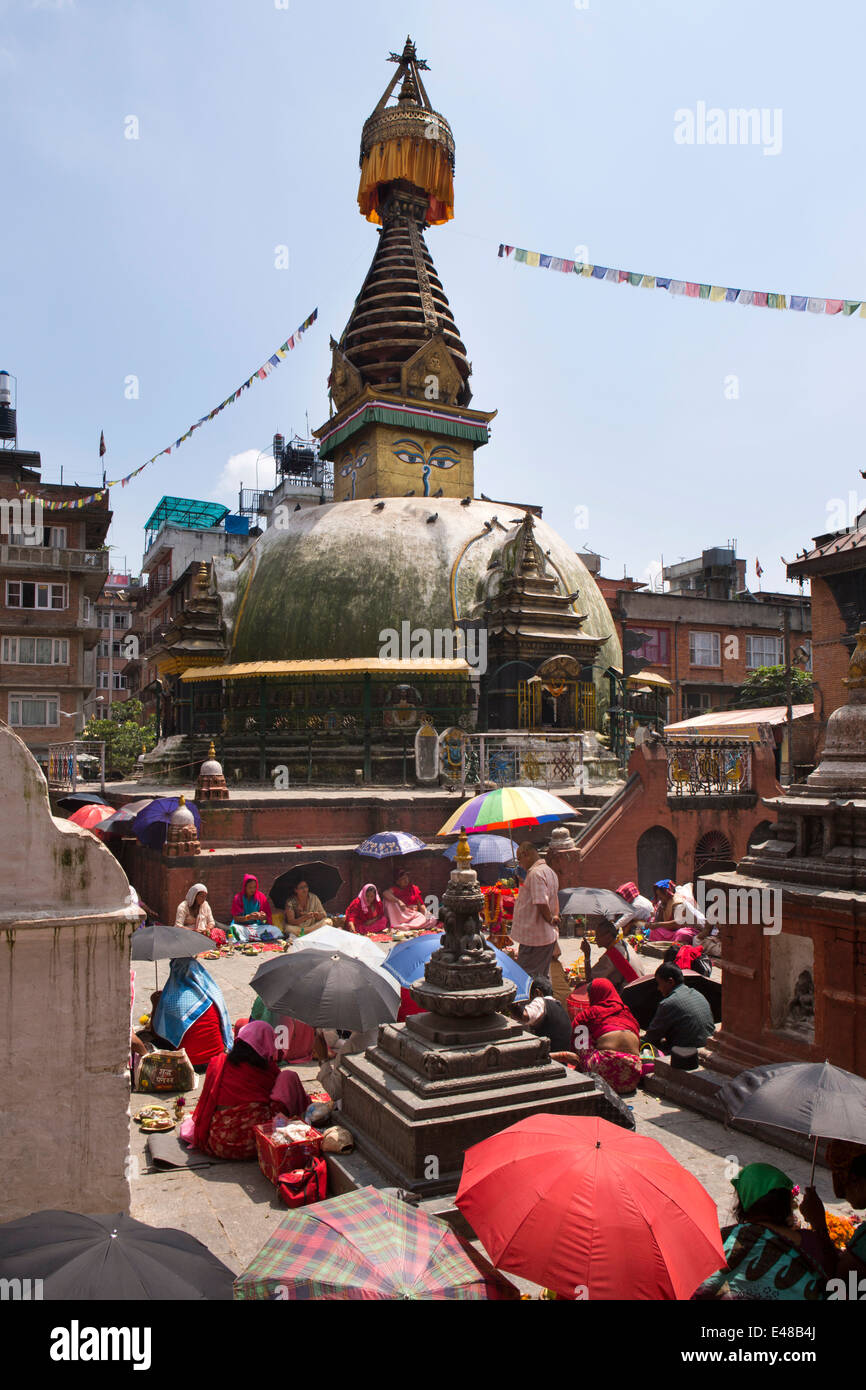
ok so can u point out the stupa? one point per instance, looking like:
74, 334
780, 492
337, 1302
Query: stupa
462, 1071
795, 982
407, 543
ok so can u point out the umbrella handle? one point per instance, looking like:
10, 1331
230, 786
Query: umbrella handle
814, 1158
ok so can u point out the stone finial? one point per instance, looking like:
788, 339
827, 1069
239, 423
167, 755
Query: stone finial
201, 580
856, 677
464, 853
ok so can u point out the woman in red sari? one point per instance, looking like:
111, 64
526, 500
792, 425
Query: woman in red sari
404, 906
365, 913
606, 1037
237, 1095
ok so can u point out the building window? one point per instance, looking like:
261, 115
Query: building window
36, 651
115, 648
119, 681
55, 537
102, 649
764, 651
697, 702
656, 650
102, 680
103, 617
121, 620
34, 711
86, 609
704, 649
21, 594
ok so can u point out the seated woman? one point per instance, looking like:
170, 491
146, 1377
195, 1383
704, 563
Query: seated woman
190, 1012
238, 1093
670, 911
404, 905
366, 913
195, 913
606, 1039
294, 1042
304, 911
251, 909
768, 1256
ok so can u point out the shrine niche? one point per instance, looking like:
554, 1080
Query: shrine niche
427, 753
345, 381
432, 374
792, 985
452, 746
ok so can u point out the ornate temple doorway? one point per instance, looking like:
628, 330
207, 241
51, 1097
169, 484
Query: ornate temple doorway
555, 699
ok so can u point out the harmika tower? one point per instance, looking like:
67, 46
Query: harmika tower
399, 380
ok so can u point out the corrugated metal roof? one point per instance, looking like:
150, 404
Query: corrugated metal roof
737, 721
841, 543
352, 666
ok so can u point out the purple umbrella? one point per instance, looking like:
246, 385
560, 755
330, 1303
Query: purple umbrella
151, 824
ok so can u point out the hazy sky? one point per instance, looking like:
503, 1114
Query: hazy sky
155, 257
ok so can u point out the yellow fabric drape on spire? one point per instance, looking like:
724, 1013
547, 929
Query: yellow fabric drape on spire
421, 162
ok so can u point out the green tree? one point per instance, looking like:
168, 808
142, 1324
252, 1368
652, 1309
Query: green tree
125, 733
767, 686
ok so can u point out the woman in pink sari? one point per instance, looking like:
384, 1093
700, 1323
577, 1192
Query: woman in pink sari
606, 1039
404, 905
365, 914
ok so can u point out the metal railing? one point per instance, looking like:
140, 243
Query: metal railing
76, 763
503, 759
709, 767
44, 556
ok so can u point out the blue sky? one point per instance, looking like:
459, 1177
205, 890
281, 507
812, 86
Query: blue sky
155, 257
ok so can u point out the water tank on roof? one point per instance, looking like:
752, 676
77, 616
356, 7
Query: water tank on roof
8, 425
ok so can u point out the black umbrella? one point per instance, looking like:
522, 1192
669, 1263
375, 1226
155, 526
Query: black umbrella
75, 800
807, 1097
122, 819
324, 880
161, 942
327, 989
109, 1257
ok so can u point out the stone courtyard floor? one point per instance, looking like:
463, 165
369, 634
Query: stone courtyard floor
232, 1208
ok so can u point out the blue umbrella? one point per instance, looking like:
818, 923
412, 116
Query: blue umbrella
388, 843
151, 824
486, 849
406, 963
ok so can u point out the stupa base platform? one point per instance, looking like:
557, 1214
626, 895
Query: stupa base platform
417, 1100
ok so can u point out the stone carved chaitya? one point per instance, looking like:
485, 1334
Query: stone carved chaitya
460, 1072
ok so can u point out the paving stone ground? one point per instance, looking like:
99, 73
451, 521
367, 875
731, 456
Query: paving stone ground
233, 1208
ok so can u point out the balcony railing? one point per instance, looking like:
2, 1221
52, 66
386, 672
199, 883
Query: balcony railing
49, 557
709, 767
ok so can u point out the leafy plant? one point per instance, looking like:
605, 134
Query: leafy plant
126, 734
767, 686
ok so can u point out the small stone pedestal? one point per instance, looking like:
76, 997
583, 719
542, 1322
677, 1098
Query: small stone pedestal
446, 1079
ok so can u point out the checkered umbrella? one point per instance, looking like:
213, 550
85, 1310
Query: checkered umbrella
368, 1245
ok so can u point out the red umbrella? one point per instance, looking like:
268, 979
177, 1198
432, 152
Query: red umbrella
90, 817
590, 1210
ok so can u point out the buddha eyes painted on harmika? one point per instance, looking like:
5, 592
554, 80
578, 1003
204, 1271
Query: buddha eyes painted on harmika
440, 456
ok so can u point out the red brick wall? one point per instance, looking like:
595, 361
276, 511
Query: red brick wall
608, 852
830, 658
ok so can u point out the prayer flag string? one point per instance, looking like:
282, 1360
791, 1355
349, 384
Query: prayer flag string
692, 289
74, 504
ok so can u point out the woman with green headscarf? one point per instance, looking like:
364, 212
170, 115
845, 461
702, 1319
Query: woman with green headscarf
768, 1256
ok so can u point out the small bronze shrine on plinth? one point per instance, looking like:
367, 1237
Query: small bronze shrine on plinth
448, 1078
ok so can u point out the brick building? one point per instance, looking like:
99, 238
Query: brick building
114, 615
180, 535
836, 569
53, 565
706, 634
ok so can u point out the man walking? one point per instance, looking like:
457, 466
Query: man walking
536, 913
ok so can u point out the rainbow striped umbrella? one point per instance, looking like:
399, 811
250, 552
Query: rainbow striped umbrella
505, 808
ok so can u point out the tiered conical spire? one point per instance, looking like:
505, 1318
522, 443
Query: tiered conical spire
401, 305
